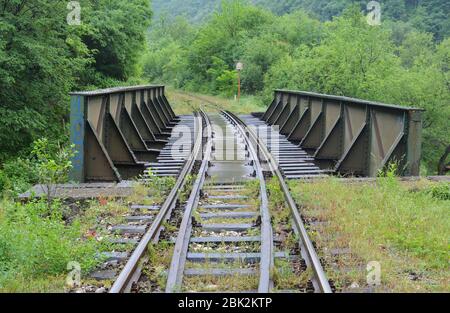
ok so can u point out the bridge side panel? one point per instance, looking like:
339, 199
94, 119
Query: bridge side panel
292, 120
414, 143
331, 148
153, 109
272, 106
302, 126
141, 124
77, 137
315, 134
278, 109
98, 166
386, 133
352, 136
286, 112
167, 104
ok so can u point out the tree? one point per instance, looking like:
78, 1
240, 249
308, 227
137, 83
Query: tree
53, 165
444, 166
352, 59
116, 35
42, 59
224, 37
416, 46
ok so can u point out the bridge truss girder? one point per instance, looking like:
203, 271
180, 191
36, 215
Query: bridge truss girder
349, 136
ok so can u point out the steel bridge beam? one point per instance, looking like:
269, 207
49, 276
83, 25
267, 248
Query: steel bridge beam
117, 131
349, 136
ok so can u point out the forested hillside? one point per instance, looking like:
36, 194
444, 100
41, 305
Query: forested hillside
392, 63
430, 16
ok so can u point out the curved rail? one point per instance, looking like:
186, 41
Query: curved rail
267, 258
177, 267
175, 275
131, 271
320, 280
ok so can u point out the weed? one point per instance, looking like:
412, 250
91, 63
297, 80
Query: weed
216, 283
53, 165
440, 191
159, 258
285, 277
186, 192
159, 187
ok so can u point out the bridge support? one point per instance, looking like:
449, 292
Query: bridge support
349, 136
114, 139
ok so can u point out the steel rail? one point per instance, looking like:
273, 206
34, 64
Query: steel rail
175, 276
267, 257
320, 280
129, 274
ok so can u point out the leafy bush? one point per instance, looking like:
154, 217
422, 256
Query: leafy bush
53, 161
17, 176
159, 186
3, 180
49, 164
35, 245
440, 191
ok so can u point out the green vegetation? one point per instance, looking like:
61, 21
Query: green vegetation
42, 59
287, 274
186, 102
398, 62
52, 166
429, 16
234, 283
403, 226
440, 191
159, 186
37, 243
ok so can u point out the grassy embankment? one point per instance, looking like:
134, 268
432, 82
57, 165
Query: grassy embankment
37, 243
403, 226
186, 102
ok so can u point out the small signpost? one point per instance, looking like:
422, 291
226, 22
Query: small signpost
239, 68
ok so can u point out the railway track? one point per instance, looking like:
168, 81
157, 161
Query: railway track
223, 237
131, 272
319, 279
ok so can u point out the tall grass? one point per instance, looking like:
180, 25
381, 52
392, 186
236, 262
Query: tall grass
186, 102
36, 245
406, 230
